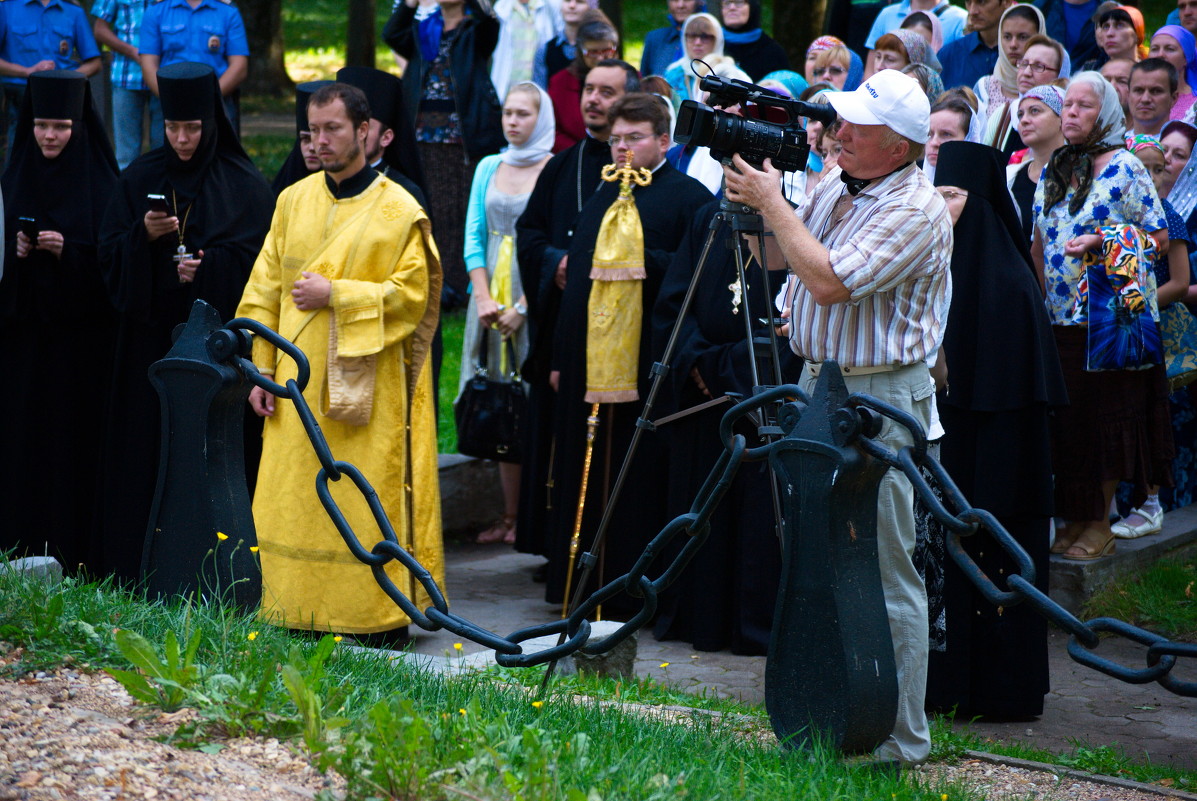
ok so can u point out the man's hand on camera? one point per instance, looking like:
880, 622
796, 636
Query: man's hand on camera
752, 187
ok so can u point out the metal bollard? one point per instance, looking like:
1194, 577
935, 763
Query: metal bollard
830, 674
202, 492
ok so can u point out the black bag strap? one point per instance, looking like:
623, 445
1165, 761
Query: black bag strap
480, 365
939, 9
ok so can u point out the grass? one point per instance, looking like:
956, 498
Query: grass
949, 743
452, 329
1162, 598
395, 732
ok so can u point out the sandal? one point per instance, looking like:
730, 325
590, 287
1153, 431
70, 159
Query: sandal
1063, 541
509, 537
498, 532
1090, 550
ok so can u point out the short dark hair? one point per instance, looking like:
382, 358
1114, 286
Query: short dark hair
1155, 65
631, 81
641, 107
356, 104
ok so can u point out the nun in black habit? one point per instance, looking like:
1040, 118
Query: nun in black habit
55, 321
298, 166
725, 597
1003, 379
220, 209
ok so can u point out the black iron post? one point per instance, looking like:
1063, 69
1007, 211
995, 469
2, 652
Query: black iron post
830, 675
201, 527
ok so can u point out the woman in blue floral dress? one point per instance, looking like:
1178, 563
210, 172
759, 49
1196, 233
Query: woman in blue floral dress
1117, 425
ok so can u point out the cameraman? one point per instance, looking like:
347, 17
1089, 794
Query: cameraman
871, 254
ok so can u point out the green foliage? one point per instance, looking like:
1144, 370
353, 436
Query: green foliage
163, 681
1163, 598
314, 696
452, 333
268, 151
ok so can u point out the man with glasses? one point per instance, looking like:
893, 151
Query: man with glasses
971, 56
1153, 87
639, 129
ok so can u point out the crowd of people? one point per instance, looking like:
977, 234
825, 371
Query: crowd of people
995, 235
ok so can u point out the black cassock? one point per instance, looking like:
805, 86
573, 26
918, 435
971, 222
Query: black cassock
725, 597
543, 234
1004, 378
58, 329
226, 205
665, 207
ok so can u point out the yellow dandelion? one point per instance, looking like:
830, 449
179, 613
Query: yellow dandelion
664, 664
253, 549
253, 635
338, 638
457, 646
462, 711
943, 797
537, 704
220, 535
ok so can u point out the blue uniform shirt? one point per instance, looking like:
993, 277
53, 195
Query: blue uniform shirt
32, 32
207, 34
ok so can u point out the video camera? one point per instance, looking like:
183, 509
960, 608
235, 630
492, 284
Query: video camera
754, 139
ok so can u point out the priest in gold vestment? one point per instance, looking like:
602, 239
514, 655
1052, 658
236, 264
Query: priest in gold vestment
349, 272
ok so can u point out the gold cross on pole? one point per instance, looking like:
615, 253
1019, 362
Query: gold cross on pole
626, 175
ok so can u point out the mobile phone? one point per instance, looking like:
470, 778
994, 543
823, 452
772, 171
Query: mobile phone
158, 203
29, 228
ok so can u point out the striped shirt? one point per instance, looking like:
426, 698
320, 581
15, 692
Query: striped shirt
124, 17
892, 249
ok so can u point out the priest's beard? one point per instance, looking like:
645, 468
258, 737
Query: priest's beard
344, 161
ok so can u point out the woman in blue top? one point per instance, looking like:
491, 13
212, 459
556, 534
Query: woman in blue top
663, 46
1117, 425
498, 307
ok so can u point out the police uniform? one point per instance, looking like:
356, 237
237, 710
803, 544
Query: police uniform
30, 32
208, 34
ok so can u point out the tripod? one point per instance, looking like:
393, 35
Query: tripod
740, 221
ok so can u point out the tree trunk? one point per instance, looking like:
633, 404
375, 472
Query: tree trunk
614, 10
797, 24
359, 51
264, 30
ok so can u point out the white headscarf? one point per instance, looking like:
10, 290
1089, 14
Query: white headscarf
1111, 115
540, 143
1005, 71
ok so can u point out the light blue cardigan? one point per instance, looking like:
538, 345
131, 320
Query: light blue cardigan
477, 234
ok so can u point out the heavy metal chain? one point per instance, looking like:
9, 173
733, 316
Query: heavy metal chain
231, 343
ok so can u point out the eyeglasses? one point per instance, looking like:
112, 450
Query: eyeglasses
701, 37
948, 194
602, 51
830, 70
631, 140
1035, 67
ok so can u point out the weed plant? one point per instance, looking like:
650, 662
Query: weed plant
395, 731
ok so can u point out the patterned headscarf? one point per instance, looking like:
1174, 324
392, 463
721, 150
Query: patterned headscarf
824, 43
1049, 95
917, 49
1075, 161
1140, 142
928, 79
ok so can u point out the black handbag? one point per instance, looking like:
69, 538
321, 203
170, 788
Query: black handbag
489, 412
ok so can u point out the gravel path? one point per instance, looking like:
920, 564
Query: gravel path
69, 734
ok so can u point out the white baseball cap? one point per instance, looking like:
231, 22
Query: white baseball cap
889, 98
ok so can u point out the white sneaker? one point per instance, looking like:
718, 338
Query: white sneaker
1152, 524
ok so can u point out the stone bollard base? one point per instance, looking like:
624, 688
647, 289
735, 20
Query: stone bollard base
619, 662
42, 567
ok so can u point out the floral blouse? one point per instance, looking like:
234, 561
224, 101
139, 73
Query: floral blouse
437, 120
1121, 195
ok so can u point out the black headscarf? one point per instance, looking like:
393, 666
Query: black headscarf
294, 168
754, 18
68, 193
998, 342
385, 95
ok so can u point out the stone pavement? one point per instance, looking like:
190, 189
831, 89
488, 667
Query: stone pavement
491, 585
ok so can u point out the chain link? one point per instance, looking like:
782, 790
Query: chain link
955, 513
